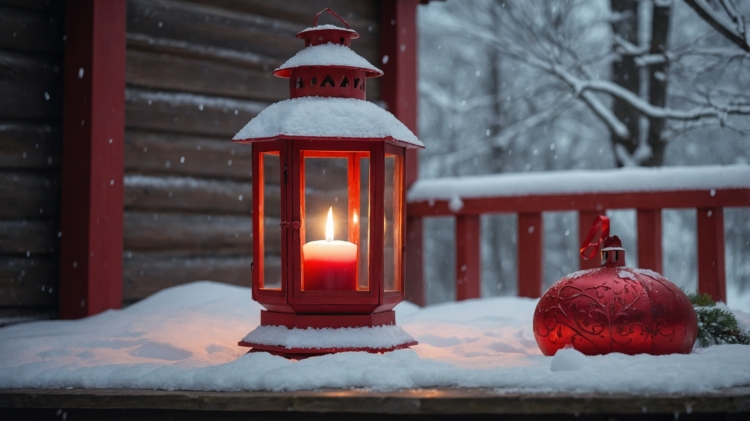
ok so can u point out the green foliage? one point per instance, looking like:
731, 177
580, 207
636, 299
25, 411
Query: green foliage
700, 299
716, 325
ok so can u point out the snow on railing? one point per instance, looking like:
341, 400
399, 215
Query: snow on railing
709, 189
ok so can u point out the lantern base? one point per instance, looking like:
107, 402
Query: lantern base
322, 321
302, 353
302, 343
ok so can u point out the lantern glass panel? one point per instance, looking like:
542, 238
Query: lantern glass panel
393, 202
335, 213
271, 232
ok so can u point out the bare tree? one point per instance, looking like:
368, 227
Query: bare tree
544, 37
724, 17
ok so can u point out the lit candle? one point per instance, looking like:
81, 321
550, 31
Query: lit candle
329, 264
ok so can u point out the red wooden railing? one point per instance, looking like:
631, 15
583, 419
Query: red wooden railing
707, 189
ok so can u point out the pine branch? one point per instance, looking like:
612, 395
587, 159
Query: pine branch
716, 325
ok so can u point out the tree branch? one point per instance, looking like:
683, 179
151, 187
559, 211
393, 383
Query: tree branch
733, 28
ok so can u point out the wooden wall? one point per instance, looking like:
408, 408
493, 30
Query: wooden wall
197, 71
31, 52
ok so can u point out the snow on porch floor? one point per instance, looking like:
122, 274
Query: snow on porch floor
184, 338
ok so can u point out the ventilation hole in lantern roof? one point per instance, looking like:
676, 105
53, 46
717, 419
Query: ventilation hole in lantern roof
313, 82
300, 83
344, 82
329, 81
356, 82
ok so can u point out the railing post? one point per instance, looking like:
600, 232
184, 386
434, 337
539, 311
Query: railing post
530, 255
91, 213
414, 270
398, 43
711, 266
468, 257
585, 218
649, 239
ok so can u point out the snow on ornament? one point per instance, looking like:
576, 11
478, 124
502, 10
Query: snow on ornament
329, 208
614, 308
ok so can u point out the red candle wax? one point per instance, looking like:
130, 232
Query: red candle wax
330, 265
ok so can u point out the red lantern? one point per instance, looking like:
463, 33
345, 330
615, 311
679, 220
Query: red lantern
614, 308
329, 199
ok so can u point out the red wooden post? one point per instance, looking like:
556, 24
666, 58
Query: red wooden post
530, 255
93, 157
468, 257
398, 52
649, 240
711, 266
585, 219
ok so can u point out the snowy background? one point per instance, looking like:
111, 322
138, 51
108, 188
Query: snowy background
494, 98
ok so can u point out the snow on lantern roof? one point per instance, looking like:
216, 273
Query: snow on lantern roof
328, 26
327, 55
326, 118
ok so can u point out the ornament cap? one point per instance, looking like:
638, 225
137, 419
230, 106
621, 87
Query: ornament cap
609, 248
612, 254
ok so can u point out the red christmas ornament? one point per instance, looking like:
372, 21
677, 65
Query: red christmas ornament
614, 308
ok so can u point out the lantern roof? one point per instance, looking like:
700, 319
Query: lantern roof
327, 55
326, 118
307, 32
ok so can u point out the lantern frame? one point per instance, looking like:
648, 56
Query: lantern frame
291, 298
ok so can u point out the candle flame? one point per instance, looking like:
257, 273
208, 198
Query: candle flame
355, 218
329, 225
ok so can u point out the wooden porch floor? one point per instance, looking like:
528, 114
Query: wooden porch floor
439, 403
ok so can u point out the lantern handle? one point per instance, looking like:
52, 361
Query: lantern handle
315, 22
599, 227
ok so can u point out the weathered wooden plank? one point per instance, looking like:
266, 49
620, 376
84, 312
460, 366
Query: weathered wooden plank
360, 403
362, 16
355, 12
49, 6
243, 59
28, 281
30, 87
188, 113
29, 236
213, 26
29, 31
149, 152
29, 145
14, 315
163, 71
198, 232
183, 194
27, 194
145, 274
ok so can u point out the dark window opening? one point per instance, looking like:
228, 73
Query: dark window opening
356, 82
341, 41
329, 81
300, 84
344, 82
313, 82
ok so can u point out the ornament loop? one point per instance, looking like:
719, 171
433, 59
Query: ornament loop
599, 228
315, 22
